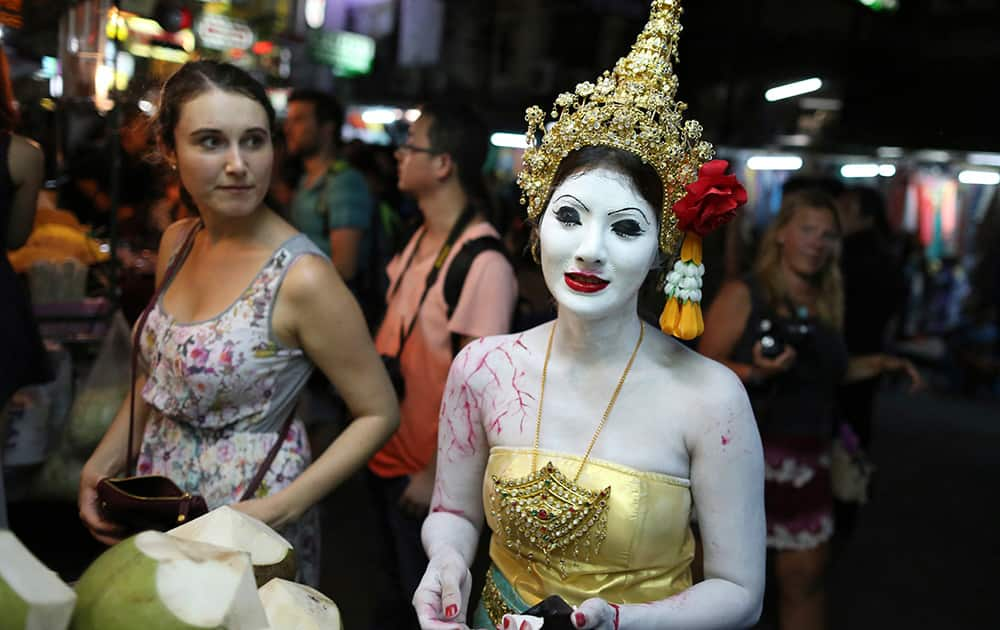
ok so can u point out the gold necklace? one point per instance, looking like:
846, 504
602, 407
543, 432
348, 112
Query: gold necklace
546, 511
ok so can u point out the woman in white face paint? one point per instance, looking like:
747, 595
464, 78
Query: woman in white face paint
584, 441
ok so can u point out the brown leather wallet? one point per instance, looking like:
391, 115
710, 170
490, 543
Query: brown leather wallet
147, 502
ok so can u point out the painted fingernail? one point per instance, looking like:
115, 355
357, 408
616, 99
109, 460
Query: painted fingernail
506, 623
451, 611
581, 619
525, 625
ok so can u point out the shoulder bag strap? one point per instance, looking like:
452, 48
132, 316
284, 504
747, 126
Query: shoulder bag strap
170, 272
456, 231
266, 464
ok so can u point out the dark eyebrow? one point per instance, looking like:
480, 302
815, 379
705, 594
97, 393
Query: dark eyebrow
641, 213
583, 205
219, 131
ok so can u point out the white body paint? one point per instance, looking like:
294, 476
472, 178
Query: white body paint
678, 413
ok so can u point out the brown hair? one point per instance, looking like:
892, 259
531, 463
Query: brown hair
767, 268
196, 77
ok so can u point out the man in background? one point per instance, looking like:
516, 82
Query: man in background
331, 204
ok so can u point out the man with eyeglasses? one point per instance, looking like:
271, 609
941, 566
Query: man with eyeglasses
440, 166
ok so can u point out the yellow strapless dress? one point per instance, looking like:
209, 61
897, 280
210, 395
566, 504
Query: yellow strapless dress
645, 554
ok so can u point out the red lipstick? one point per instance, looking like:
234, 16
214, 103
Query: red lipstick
584, 282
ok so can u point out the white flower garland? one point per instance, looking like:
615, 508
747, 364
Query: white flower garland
685, 281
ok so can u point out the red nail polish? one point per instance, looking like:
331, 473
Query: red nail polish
451, 611
506, 623
525, 626
581, 619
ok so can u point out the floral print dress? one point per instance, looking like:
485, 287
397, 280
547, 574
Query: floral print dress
219, 391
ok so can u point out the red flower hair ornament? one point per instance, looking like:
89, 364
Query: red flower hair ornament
710, 203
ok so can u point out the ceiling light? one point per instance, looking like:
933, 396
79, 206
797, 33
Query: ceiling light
793, 89
795, 140
774, 163
380, 116
859, 170
886, 170
984, 159
509, 140
987, 178
889, 152
933, 155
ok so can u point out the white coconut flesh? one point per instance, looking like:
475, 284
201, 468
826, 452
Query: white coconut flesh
32, 597
270, 553
154, 581
293, 606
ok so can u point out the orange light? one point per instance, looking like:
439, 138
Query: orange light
263, 47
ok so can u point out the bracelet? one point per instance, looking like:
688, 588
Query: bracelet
617, 611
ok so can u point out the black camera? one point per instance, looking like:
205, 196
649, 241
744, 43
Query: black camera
395, 370
555, 611
775, 335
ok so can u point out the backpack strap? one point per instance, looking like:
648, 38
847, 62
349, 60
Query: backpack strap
454, 280
459, 268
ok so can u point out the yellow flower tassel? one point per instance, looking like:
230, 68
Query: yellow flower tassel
681, 315
671, 316
691, 249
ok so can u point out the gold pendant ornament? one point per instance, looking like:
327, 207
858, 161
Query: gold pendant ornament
547, 512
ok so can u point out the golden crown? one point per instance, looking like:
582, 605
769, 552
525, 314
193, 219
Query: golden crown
631, 108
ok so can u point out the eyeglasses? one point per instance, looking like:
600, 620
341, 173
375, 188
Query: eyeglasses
409, 148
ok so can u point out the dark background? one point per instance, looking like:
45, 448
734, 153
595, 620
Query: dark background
922, 76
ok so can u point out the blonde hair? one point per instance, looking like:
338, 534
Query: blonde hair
767, 267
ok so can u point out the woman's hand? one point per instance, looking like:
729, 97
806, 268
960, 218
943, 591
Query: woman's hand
890, 363
766, 368
443, 595
595, 614
271, 509
100, 528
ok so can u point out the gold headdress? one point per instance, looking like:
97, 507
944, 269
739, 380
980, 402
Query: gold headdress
631, 108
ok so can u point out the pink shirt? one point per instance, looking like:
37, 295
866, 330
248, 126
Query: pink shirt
484, 308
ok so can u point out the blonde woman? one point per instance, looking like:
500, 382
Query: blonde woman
779, 330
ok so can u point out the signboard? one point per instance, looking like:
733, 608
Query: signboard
10, 13
348, 54
219, 32
421, 25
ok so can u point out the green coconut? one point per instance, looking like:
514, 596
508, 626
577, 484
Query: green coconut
32, 597
272, 555
153, 581
293, 606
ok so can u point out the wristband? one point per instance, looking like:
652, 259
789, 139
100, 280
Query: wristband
617, 611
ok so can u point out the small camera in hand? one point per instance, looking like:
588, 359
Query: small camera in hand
771, 343
776, 335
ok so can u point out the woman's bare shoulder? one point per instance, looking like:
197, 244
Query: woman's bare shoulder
495, 359
699, 380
